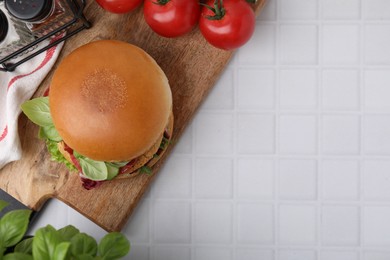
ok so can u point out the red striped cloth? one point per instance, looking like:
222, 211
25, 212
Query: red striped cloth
15, 88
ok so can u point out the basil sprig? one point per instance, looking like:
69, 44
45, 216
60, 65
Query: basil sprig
49, 243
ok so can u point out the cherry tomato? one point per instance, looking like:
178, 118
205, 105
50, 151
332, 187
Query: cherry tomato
119, 6
171, 18
227, 25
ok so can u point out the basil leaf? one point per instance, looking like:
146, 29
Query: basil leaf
112, 171
24, 246
61, 251
94, 170
3, 204
38, 111
83, 244
113, 246
45, 241
68, 232
13, 226
17, 256
49, 132
84, 257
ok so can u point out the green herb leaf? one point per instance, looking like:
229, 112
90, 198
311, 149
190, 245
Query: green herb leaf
49, 132
24, 246
13, 226
45, 241
68, 232
56, 155
113, 246
85, 257
112, 171
61, 251
17, 256
83, 244
94, 170
146, 170
38, 111
3, 204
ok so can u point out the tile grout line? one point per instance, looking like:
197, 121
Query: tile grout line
361, 126
319, 69
276, 201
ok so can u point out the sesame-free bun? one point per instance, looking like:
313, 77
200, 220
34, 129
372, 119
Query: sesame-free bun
110, 101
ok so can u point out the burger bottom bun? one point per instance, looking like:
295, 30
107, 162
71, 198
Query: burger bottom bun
147, 159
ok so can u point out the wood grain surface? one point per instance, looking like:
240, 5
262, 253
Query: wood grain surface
192, 67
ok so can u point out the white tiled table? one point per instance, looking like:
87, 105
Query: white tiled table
288, 158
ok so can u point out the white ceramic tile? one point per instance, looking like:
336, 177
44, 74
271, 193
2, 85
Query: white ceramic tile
297, 9
376, 42
376, 138
248, 253
340, 89
297, 224
376, 9
340, 134
260, 49
84, 224
184, 144
53, 210
298, 179
213, 222
255, 223
291, 254
298, 44
375, 255
170, 253
172, 222
138, 252
340, 225
214, 133
174, 179
255, 178
213, 253
138, 225
221, 95
376, 227
269, 12
298, 89
376, 180
256, 89
340, 179
339, 255
297, 134
256, 133
376, 90
340, 44
213, 178
341, 9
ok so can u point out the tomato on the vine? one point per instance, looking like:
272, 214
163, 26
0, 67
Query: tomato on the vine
227, 25
171, 18
119, 6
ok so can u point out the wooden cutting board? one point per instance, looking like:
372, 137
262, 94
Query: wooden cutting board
192, 67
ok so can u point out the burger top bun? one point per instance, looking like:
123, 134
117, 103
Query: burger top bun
110, 101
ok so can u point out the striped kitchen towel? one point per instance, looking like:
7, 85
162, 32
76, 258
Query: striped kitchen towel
15, 88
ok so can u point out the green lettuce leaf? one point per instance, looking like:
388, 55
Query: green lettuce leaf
56, 155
